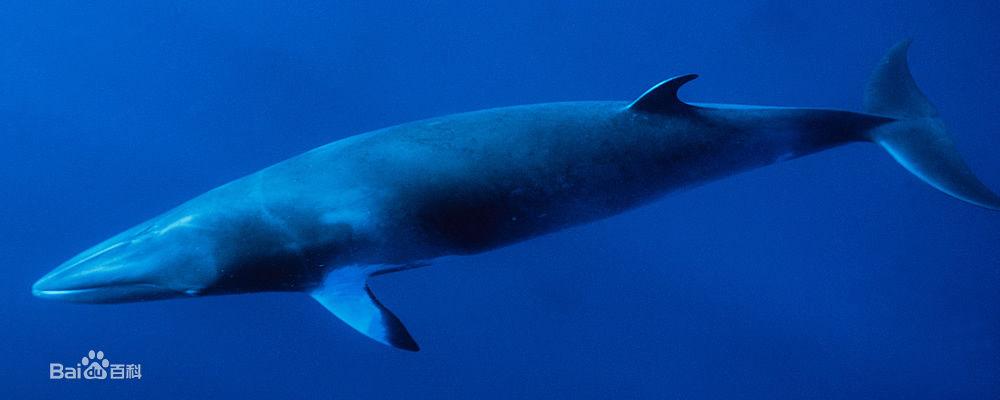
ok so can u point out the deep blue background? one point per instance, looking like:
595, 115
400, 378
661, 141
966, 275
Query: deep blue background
834, 276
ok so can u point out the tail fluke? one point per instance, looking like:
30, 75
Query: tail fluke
918, 139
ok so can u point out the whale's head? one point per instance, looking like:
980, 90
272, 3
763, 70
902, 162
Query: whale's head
170, 256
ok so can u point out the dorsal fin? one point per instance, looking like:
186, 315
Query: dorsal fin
662, 98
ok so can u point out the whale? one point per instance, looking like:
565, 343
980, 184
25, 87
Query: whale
326, 221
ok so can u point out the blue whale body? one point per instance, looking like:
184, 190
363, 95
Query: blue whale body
397, 198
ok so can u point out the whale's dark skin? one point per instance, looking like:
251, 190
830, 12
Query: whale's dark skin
396, 198
471, 182
468, 183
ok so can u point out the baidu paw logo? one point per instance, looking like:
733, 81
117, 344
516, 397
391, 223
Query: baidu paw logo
95, 365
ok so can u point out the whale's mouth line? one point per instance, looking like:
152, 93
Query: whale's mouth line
99, 287
143, 290
57, 293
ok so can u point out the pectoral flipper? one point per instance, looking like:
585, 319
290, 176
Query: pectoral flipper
346, 294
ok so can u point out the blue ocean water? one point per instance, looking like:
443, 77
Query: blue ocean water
838, 275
